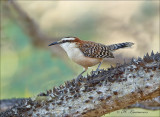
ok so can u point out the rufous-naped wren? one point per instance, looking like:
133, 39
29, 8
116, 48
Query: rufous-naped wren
87, 53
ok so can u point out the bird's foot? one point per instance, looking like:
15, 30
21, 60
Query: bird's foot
78, 78
96, 72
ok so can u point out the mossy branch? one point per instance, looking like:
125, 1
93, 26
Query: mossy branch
97, 94
151, 104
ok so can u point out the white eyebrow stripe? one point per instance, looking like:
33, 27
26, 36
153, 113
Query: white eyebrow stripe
71, 38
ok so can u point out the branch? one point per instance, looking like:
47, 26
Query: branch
153, 104
97, 94
30, 27
9, 103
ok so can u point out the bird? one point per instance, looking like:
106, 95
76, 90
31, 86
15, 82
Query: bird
88, 53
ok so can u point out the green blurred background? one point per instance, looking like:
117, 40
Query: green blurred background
29, 66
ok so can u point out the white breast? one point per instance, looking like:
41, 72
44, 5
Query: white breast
77, 56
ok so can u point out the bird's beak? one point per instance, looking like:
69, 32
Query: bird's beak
55, 43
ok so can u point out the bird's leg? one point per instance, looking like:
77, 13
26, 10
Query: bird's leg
80, 75
94, 72
98, 66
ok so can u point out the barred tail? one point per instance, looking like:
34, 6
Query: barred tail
120, 45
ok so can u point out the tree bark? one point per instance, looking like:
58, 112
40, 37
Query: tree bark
97, 94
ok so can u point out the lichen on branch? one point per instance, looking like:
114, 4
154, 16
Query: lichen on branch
98, 94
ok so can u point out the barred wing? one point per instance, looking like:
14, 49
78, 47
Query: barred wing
95, 50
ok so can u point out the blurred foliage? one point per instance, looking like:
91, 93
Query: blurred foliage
26, 70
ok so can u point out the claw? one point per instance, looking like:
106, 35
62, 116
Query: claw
78, 78
96, 72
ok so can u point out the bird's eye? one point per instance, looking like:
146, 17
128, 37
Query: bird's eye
64, 41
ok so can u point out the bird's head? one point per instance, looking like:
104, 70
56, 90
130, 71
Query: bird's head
66, 41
